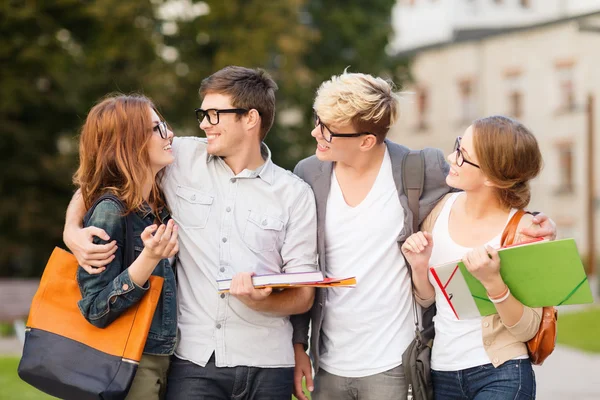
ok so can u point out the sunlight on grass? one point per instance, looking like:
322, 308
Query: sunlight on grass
580, 330
12, 387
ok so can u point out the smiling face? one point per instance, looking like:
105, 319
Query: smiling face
467, 176
340, 149
228, 137
159, 148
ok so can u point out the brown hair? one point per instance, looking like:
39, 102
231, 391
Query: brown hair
509, 156
248, 88
113, 152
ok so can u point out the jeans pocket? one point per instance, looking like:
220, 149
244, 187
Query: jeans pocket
396, 372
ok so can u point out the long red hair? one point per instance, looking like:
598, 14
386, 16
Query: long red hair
113, 152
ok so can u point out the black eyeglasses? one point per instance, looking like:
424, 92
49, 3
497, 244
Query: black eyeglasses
328, 135
460, 159
212, 114
162, 129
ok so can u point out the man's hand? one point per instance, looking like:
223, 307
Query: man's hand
91, 257
542, 227
243, 289
303, 369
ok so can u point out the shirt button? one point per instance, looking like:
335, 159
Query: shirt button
224, 240
232, 180
125, 286
218, 326
228, 209
222, 269
222, 295
264, 223
487, 342
193, 197
486, 324
495, 360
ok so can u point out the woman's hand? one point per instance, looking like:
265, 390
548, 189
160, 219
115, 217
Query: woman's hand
163, 244
417, 250
484, 264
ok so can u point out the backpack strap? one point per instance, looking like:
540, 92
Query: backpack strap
413, 180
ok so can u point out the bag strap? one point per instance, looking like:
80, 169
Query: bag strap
413, 181
129, 253
510, 231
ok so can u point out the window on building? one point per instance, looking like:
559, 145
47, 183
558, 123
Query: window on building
515, 92
566, 87
467, 101
516, 104
566, 168
422, 108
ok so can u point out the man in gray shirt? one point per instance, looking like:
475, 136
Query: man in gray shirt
239, 214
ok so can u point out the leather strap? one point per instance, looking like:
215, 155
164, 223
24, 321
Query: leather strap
510, 232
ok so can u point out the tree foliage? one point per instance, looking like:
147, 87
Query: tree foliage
59, 57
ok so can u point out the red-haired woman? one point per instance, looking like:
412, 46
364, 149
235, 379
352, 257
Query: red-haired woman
483, 357
123, 148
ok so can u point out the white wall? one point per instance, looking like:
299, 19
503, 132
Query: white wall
434, 21
535, 53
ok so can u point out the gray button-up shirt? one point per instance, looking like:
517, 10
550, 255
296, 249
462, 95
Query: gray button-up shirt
262, 221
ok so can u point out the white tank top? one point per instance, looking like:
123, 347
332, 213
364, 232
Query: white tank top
458, 344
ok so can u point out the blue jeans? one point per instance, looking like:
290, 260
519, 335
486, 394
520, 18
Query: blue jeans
512, 380
189, 381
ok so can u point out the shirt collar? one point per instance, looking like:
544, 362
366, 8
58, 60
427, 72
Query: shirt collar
264, 172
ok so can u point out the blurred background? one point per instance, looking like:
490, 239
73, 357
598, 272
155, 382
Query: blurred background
456, 60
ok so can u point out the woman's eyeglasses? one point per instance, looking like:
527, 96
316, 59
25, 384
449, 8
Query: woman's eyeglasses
162, 129
460, 158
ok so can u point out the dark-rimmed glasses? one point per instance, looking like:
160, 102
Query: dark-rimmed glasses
162, 129
328, 135
212, 114
460, 159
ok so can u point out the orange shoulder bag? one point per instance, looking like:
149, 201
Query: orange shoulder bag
542, 344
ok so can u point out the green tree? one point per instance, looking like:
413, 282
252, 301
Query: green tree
59, 57
349, 34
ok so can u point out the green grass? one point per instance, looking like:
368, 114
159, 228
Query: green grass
12, 387
580, 330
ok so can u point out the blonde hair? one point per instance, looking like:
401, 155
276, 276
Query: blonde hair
509, 155
368, 103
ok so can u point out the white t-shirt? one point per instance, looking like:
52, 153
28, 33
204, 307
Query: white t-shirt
458, 344
366, 329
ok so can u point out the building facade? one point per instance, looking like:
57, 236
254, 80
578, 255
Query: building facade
542, 74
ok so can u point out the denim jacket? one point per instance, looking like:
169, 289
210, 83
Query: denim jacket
108, 294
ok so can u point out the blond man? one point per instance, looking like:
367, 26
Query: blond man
358, 335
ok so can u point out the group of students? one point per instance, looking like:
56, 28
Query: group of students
217, 208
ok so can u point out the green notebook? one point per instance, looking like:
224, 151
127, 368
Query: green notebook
545, 273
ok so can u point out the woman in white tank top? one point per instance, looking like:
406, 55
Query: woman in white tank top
484, 357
